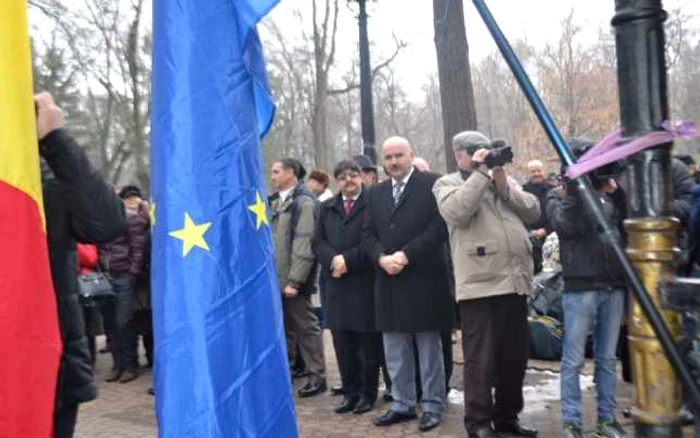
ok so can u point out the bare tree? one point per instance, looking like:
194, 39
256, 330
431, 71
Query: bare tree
305, 71
109, 49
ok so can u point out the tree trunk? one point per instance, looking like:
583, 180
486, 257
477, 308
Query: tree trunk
456, 93
320, 122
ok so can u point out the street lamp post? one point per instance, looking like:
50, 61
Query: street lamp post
366, 105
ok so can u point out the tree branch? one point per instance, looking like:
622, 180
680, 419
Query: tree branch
400, 45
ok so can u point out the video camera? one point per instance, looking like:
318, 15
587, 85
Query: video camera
499, 153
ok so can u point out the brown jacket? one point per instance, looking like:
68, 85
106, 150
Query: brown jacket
491, 249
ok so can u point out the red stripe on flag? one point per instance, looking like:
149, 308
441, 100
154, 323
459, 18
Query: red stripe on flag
29, 332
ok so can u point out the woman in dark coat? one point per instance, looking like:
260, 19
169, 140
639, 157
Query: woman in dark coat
348, 299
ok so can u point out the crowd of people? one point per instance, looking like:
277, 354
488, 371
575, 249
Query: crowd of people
400, 262
407, 258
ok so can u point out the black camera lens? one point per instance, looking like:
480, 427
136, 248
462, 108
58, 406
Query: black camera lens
499, 157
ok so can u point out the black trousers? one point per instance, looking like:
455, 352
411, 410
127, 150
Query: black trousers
64, 420
495, 339
143, 325
358, 355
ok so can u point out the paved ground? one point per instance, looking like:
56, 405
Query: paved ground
126, 410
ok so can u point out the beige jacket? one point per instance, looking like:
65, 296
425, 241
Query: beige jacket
491, 248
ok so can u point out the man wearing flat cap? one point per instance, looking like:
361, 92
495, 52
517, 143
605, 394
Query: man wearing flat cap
486, 211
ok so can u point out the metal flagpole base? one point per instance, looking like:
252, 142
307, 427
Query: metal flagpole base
651, 246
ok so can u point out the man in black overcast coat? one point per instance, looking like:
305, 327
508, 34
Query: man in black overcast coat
405, 237
348, 299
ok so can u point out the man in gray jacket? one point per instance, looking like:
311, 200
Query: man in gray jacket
293, 223
485, 211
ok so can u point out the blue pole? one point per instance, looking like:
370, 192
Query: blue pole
567, 157
592, 205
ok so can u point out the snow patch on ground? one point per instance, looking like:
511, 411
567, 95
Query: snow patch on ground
537, 397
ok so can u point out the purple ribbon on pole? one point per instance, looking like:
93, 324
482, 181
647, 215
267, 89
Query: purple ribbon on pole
607, 151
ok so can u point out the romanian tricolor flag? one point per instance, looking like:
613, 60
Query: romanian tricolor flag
30, 343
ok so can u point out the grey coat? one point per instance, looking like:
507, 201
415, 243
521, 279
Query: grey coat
293, 223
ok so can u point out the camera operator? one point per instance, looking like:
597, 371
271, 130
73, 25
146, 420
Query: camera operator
485, 211
593, 297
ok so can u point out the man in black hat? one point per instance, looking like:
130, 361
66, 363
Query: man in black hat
369, 170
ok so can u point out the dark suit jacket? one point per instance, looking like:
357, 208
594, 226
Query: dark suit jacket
348, 301
418, 299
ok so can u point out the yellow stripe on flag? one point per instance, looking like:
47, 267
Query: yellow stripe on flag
19, 153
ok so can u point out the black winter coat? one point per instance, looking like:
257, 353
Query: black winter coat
587, 261
79, 206
418, 299
348, 301
539, 190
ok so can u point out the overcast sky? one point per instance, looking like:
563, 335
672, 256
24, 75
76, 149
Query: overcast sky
412, 21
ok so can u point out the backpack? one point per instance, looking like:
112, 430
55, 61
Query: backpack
546, 338
546, 297
310, 285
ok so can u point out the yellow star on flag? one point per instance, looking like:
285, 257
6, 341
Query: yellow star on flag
191, 235
260, 210
152, 213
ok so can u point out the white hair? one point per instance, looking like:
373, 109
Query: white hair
534, 164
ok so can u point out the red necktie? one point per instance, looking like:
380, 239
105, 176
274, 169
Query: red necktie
348, 206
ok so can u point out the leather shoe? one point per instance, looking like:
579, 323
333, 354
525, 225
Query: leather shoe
387, 397
484, 432
128, 376
363, 406
393, 417
298, 374
347, 405
516, 428
114, 375
337, 390
313, 388
429, 421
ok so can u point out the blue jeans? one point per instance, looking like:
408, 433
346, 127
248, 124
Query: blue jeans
600, 310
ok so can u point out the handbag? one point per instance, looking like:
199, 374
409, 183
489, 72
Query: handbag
95, 286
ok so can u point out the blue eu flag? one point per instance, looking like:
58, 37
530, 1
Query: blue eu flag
221, 366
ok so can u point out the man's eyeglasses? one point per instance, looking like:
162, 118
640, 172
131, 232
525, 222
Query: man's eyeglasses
347, 176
